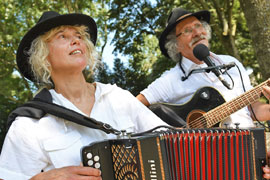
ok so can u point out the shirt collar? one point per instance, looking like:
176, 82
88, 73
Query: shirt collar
102, 89
189, 65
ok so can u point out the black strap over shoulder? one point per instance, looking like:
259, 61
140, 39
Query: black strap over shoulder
167, 115
42, 105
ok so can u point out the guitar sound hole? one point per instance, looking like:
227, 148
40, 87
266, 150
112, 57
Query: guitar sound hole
195, 119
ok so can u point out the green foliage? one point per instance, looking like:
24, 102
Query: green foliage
131, 20
136, 26
17, 17
103, 74
119, 77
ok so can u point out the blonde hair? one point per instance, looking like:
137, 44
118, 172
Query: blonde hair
39, 52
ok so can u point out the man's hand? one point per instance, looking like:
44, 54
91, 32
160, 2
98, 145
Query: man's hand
266, 92
266, 169
70, 173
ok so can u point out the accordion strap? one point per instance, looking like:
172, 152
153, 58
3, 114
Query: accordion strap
42, 105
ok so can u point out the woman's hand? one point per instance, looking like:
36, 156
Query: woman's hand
70, 173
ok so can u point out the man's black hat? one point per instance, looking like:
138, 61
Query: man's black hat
176, 16
48, 21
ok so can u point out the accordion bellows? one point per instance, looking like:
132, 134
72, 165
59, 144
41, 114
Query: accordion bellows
184, 154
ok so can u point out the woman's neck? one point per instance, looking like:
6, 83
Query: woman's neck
80, 93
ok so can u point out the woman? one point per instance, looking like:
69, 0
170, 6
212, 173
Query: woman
54, 53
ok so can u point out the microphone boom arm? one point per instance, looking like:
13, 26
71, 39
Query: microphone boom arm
210, 68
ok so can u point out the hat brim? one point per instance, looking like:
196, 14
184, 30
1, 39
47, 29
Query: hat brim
201, 15
22, 56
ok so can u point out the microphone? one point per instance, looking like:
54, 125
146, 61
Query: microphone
201, 52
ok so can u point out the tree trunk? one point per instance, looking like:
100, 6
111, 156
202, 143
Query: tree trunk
257, 14
225, 28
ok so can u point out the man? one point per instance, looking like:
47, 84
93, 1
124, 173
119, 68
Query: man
54, 53
184, 31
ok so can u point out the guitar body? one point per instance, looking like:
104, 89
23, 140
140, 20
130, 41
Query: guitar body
206, 108
203, 100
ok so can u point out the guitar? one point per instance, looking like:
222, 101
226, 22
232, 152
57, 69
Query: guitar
207, 106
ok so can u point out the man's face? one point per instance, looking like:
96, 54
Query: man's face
191, 33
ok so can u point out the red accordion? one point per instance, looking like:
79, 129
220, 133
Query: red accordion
184, 154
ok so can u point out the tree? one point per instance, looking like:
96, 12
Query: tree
136, 21
136, 26
230, 33
257, 13
17, 17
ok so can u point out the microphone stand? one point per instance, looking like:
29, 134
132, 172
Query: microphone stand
208, 69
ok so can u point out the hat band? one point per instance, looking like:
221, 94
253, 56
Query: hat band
182, 17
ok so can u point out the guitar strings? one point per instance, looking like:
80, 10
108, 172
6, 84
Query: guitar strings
201, 121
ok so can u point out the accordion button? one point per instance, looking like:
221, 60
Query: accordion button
89, 155
90, 162
96, 158
97, 165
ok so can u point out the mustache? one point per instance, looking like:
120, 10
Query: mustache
196, 39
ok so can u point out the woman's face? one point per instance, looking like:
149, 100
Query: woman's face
67, 52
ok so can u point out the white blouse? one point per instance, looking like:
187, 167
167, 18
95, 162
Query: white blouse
33, 145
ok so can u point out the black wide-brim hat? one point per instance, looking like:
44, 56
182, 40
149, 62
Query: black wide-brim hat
48, 21
176, 16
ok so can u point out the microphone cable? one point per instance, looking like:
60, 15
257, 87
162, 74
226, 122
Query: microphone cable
250, 106
226, 72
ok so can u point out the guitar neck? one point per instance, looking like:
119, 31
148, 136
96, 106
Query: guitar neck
225, 110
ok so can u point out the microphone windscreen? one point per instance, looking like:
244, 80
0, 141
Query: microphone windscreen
201, 51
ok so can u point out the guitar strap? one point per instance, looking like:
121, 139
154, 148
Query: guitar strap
42, 104
167, 115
